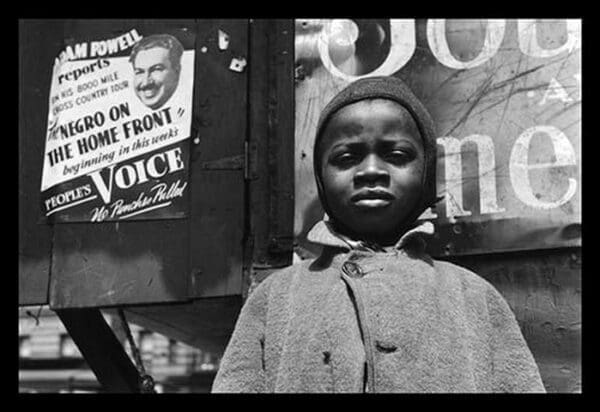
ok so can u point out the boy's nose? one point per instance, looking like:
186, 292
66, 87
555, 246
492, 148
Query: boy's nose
371, 168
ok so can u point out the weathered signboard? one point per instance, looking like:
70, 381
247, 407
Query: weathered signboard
119, 120
189, 249
506, 99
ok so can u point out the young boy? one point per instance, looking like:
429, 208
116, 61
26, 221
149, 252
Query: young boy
374, 313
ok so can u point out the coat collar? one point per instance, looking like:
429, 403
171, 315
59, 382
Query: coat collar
323, 233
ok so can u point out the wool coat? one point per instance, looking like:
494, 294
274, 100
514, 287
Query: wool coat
358, 320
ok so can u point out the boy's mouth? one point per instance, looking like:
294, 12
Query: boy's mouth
372, 203
372, 198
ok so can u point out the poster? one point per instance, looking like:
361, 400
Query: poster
505, 96
117, 142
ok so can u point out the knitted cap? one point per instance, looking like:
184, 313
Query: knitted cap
392, 88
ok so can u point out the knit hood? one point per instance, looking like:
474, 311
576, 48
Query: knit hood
391, 88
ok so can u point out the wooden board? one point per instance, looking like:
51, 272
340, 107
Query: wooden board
216, 234
271, 189
118, 263
216, 221
161, 261
35, 68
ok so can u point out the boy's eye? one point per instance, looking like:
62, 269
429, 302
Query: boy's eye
399, 156
344, 159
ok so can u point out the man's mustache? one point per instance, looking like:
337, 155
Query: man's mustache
147, 87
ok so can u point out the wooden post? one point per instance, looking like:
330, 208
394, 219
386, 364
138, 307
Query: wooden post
103, 352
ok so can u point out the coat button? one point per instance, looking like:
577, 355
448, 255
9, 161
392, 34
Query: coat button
352, 269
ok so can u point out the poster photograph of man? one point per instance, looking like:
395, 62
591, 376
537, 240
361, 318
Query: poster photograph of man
156, 62
99, 133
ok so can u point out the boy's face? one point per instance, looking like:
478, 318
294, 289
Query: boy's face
372, 163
